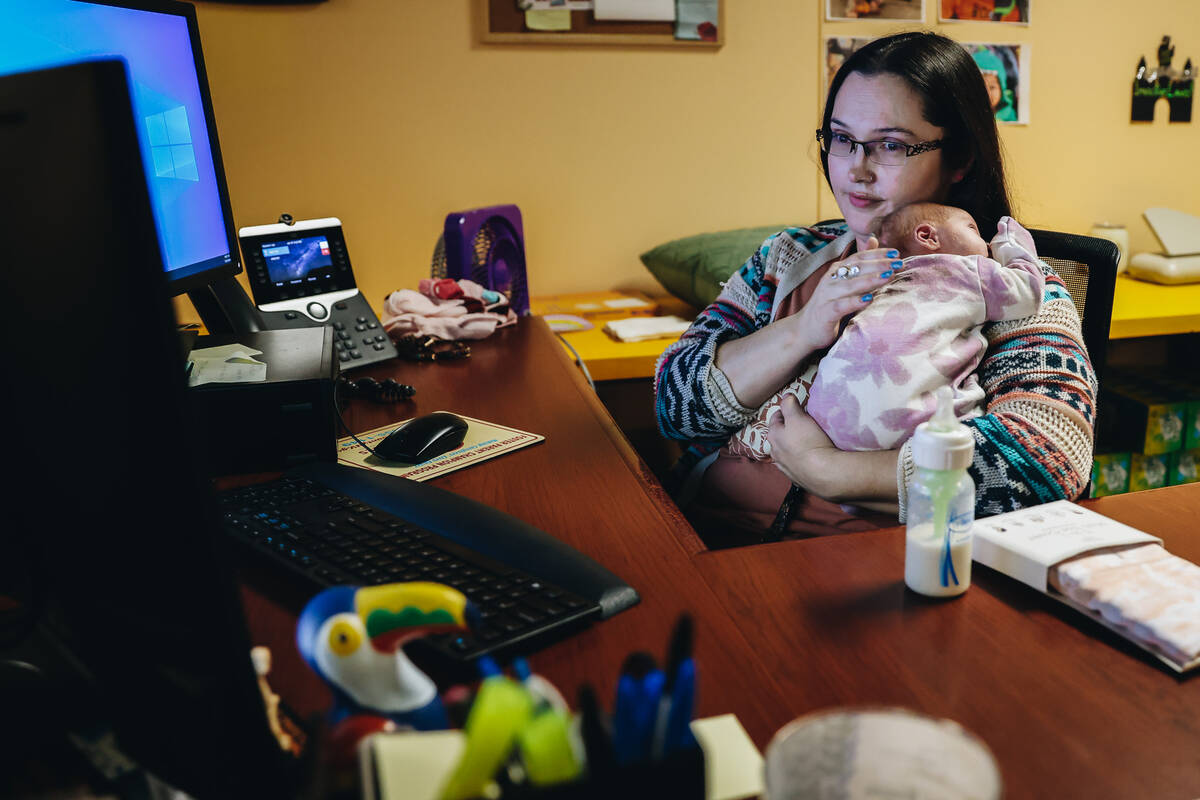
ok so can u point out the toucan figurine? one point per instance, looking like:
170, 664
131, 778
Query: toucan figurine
351, 636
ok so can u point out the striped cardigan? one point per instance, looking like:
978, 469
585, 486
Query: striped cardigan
1033, 444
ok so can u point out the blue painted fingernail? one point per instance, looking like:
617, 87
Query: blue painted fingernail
893, 253
866, 298
887, 274
897, 264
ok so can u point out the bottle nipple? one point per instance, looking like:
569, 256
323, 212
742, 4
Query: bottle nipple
943, 418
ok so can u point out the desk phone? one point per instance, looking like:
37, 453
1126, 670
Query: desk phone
300, 277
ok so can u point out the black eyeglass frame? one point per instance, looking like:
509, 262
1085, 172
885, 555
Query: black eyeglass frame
910, 150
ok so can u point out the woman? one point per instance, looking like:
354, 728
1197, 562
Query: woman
907, 119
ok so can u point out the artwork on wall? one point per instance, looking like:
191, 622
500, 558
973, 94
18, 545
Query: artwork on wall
837, 50
1005, 69
1165, 80
984, 11
913, 10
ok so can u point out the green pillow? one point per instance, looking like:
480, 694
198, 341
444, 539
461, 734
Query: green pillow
694, 268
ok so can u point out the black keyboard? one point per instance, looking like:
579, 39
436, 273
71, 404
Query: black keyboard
328, 525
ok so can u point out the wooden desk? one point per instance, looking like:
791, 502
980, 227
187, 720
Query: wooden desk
1067, 707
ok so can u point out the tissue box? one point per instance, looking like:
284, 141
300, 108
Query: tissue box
1148, 471
1146, 419
1110, 474
1184, 467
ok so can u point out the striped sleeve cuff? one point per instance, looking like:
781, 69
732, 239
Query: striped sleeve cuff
725, 404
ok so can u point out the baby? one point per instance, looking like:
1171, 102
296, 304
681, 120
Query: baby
921, 331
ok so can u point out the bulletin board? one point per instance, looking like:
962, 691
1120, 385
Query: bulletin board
503, 22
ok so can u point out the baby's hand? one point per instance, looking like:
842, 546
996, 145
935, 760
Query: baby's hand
1012, 242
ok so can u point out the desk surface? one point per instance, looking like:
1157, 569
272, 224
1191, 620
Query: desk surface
1067, 707
1141, 308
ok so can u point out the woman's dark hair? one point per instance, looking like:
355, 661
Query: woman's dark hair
954, 98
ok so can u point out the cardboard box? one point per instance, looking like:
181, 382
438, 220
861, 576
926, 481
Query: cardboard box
1143, 419
1184, 467
1110, 474
1148, 471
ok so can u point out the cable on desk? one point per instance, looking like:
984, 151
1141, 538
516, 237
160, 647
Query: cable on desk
578, 360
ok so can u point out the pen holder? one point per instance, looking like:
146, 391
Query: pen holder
678, 775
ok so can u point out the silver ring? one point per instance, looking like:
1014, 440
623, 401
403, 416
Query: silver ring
844, 272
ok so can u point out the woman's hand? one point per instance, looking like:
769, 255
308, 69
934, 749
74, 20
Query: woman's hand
758, 364
846, 288
803, 453
800, 449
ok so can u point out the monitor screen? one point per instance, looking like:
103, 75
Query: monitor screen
159, 42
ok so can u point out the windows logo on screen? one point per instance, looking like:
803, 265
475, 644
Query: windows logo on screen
171, 145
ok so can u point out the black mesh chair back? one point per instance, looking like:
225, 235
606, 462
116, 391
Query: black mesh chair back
1088, 267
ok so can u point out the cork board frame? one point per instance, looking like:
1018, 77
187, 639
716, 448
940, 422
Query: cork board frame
502, 22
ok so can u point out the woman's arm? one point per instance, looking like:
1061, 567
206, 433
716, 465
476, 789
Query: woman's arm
803, 453
759, 364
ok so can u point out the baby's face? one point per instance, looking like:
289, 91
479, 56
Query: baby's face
959, 235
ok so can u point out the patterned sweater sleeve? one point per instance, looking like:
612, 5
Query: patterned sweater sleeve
1034, 444
685, 403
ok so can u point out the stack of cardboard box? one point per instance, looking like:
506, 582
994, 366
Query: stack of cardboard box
1148, 430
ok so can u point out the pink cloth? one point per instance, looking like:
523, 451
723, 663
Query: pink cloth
446, 309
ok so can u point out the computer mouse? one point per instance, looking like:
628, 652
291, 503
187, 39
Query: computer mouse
423, 438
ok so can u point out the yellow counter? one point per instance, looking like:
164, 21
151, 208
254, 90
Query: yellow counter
1141, 308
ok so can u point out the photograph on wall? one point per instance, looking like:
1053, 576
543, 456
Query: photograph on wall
912, 10
984, 11
1005, 69
837, 50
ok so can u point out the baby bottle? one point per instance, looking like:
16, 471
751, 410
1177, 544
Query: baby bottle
941, 504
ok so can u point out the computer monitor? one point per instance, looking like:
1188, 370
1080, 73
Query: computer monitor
119, 604
172, 111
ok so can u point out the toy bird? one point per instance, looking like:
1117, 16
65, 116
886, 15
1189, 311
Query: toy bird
352, 636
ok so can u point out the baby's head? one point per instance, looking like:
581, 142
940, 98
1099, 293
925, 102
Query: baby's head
924, 228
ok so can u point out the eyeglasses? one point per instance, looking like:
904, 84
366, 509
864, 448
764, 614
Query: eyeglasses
882, 151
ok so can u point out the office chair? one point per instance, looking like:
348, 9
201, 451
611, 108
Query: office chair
1088, 267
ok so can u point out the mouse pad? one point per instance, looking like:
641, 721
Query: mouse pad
484, 440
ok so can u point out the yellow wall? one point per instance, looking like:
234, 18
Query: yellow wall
389, 114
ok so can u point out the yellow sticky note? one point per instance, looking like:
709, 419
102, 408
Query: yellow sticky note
733, 766
548, 19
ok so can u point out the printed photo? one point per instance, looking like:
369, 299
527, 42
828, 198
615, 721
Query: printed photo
837, 50
913, 10
1005, 69
984, 11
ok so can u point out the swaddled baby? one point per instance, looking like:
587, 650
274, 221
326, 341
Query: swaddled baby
921, 331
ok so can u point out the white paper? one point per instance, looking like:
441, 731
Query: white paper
1026, 543
230, 363
638, 329
642, 10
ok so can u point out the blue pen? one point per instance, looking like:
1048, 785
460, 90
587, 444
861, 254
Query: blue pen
639, 691
672, 730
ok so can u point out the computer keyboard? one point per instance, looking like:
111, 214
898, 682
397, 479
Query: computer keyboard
328, 524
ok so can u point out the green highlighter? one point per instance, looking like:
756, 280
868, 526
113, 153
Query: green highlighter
546, 750
502, 708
